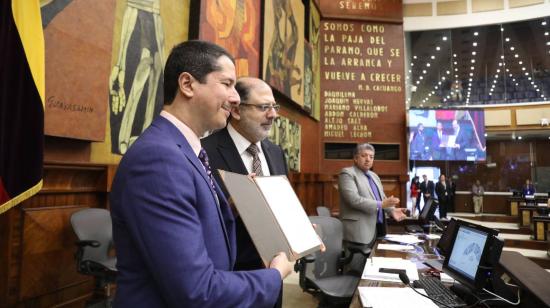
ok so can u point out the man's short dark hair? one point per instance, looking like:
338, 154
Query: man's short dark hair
243, 88
198, 58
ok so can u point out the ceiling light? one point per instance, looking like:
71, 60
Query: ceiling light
412, 64
519, 137
454, 55
417, 82
437, 48
529, 78
510, 75
444, 38
443, 78
456, 69
410, 71
516, 55
498, 71
428, 64
456, 76
507, 39
472, 68
546, 33
501, 29
502, 57
433, 57
543, 23
476, 33
414, 57
512, 48
473, 60
473, 53
421, 77
523, 68
526, 74
471, 74
548, 43
474, 44
520, 62
470, 80
448, 72
423, 71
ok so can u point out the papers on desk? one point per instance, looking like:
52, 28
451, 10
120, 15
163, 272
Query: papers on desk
395, 247
376, 297
433, 236
373, 266
403, 238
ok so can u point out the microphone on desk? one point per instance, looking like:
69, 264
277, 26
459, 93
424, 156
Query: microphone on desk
405, 279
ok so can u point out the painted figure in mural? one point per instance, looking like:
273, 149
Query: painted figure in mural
282, 72
235, 23
136, 76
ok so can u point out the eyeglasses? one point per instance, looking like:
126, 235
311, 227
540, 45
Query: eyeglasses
263, 107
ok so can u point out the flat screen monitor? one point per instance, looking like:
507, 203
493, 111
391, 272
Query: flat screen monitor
469, 250
444, 243
427, 213
447, 134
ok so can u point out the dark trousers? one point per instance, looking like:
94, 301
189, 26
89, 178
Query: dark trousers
442, 208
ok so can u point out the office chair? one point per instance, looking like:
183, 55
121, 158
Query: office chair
321, 274
323, 211
93, 228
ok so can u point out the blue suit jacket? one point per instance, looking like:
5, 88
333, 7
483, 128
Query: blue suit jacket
175, 245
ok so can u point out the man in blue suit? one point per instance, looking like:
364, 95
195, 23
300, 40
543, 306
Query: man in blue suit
173, 228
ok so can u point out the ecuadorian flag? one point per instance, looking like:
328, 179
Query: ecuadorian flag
22, 83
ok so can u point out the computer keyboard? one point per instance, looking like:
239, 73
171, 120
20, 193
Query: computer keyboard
414, 228
436, 289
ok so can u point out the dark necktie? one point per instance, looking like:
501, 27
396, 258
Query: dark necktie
256, 163
377, 196
204, 160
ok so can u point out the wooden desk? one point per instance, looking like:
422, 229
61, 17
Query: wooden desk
532, 279
541, 225
424, 251
513, 205
528, 211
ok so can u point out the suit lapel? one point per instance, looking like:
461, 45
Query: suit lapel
364, 181
230, 154
186, 149
269, 157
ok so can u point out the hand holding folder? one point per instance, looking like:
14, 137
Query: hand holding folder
273, 215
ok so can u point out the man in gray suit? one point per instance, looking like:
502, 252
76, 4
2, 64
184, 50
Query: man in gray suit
363, 204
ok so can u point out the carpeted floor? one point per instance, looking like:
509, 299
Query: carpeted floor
293, 297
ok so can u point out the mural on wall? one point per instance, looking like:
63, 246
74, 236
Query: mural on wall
234, 25
77, 41
135, 82
162, 28
287, 134
283, 47
314, 34
308, 78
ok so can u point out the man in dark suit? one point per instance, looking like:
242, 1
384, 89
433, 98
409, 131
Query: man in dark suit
173, 228
230, 149
439, 142
461, 141
427, 188
442, 190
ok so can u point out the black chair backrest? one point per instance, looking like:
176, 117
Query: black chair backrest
327, 263
323, 211
95, 225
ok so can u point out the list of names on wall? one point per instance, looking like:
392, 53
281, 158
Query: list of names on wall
361, 77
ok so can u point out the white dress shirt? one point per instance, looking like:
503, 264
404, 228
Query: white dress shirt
242, 144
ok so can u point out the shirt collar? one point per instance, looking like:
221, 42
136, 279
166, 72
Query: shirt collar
240, 141
186, 131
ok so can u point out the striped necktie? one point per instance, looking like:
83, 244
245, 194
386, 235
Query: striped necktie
256, 163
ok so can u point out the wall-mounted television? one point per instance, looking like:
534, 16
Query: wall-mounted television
447, 134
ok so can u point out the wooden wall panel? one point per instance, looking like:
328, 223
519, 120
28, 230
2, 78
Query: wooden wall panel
37, 267
48, 251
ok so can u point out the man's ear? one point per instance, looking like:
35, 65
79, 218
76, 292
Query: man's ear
236, 112
185, 83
